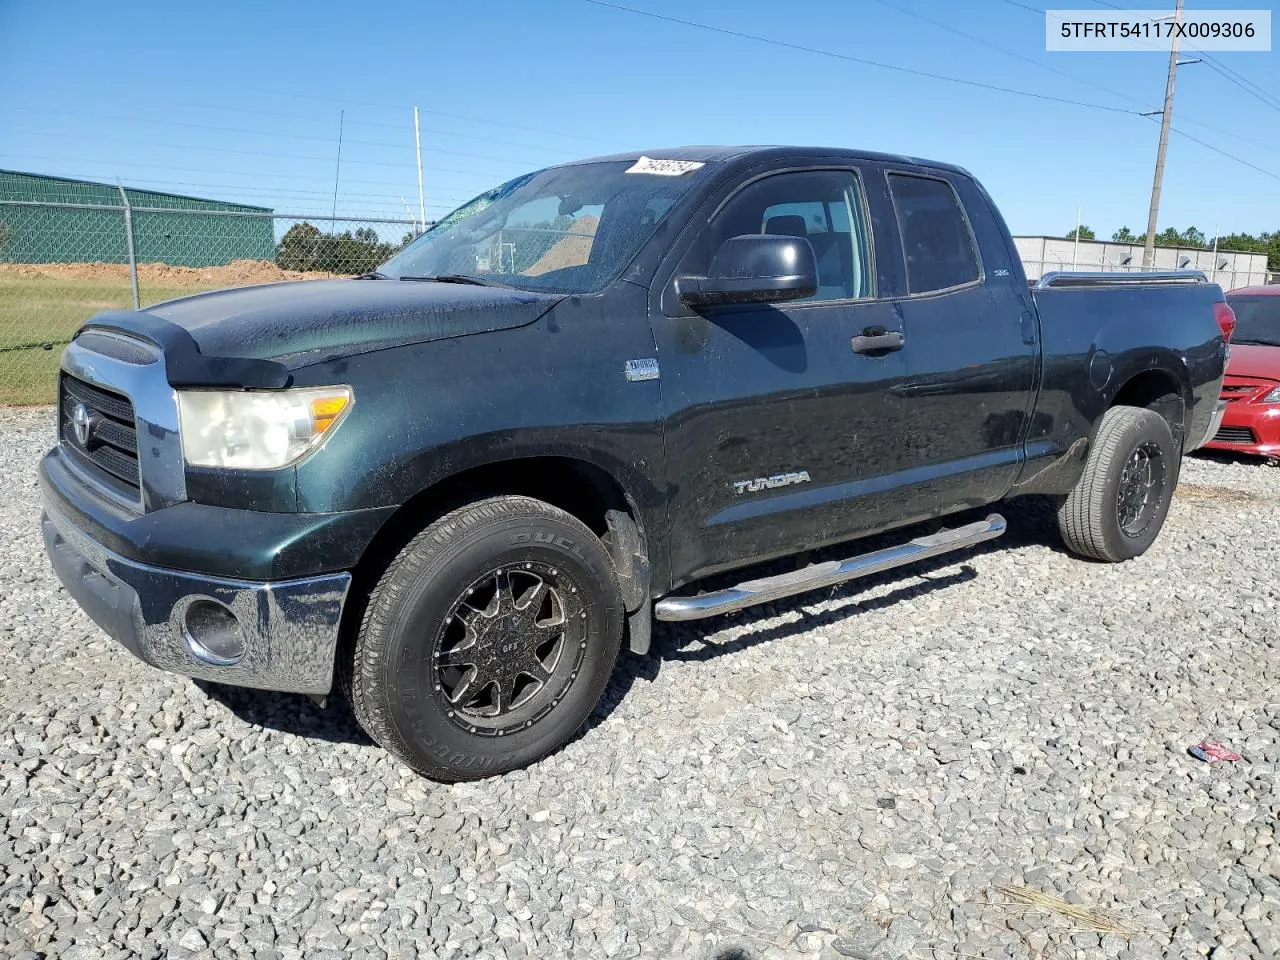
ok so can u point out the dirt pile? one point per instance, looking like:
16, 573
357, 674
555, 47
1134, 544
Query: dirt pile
572, 250
237, 273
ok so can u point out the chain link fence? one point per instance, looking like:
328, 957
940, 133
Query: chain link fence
60, 263
1229, 269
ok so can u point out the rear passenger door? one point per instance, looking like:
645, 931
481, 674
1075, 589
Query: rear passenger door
971, 351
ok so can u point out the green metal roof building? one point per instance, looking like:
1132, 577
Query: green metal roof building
56, 220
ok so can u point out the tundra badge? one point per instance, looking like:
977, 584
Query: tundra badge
768, 483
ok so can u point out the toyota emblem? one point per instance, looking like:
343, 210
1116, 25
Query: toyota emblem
80, 423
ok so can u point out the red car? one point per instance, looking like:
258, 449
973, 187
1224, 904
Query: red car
1252, 384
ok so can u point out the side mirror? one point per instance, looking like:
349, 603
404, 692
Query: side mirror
755, 268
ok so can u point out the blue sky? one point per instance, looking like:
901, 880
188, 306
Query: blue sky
240, 100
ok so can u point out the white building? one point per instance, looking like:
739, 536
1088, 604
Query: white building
1229, 268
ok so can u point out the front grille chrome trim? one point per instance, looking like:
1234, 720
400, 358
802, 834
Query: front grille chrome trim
161, 470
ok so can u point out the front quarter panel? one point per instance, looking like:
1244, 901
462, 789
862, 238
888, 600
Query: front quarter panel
557, 387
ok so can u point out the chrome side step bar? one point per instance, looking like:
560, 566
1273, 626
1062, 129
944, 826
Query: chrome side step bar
827, 574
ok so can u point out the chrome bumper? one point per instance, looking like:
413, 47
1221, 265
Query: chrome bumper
289, 628
1219, 411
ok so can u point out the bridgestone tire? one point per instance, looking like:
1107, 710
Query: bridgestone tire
1090, 518
394, 680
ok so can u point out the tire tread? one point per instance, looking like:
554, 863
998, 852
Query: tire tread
360, 672
1087, 510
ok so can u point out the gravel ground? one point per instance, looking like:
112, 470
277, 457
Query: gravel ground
852, 775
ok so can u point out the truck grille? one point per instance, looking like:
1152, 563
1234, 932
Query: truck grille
1235, 435
110, 451
1244, 388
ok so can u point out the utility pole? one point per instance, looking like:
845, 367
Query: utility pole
1075, 250
422, 207
1149, 250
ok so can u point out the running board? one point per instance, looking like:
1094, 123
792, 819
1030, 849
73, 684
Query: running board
827, 574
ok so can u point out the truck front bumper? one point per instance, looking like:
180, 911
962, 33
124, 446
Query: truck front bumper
243, 610
276, 636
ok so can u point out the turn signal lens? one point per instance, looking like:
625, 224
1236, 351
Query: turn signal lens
326, 410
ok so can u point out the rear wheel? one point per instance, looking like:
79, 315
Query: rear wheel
1118, 506
488, 640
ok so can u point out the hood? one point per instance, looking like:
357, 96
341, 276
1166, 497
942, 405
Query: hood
344, 317
1254, 360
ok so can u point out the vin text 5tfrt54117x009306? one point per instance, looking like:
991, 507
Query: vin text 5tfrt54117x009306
455, 487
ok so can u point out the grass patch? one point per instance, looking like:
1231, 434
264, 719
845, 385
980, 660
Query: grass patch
38, 310
1093, 919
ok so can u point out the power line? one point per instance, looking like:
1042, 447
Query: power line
887, 66
1241, 81
262, 133
1221, 152
280, 114
344, 101
897, 68
1024, 6
468, 136
1248, 86
147, 183
250, 153
438, 113
292, 177
1007, 52
1197, 123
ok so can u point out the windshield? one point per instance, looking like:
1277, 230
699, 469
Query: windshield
1257, 320
563, 230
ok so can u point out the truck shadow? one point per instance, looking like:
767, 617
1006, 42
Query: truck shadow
1032, 522
292, 713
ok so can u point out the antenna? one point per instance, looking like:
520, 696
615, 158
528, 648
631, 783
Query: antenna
333, 214
422, 207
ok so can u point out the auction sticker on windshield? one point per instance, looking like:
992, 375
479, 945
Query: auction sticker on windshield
665, 168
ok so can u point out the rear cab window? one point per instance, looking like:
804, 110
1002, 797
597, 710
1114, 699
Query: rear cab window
938, 245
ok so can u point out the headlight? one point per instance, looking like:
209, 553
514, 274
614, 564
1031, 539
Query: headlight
1272, 397
258, 430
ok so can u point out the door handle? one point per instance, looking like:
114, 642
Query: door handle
877, 340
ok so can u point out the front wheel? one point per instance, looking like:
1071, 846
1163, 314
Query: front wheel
1116, 509
488, 641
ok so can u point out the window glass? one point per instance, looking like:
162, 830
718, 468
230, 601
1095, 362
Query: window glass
1257, 319
824, 207
569, 229
936, 239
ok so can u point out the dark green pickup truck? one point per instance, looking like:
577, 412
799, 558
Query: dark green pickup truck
455, 487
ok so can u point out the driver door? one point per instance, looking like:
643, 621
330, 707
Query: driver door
778, 434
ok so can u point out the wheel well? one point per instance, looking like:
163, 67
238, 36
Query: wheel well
575, 486
1159, 391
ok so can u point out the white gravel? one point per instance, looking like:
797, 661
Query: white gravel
851, 775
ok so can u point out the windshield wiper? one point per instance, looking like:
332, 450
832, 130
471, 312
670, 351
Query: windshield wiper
457, 278
372, 275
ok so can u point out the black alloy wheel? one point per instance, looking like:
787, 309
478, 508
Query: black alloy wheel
510, 647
